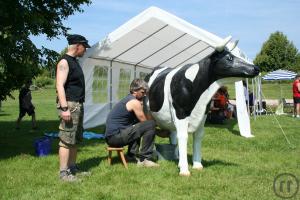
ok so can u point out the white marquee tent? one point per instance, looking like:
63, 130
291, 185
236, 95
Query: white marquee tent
152, 38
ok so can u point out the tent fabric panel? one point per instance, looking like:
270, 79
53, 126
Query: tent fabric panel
197, 48
150, 26
150, 45
141, 70
184, 56
117, 78
95, 115
198, 56
122, 45
170, 51
132, 38
88, 70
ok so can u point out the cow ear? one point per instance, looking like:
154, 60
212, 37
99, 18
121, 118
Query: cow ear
221, 46
232, 45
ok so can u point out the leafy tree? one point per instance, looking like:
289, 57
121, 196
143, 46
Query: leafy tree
278, 53
19, 57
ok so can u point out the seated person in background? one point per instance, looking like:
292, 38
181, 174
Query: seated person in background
127, 124
216, 111
220, 107
251, 101
229, 108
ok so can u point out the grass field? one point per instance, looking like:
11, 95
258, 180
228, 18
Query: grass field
235, 167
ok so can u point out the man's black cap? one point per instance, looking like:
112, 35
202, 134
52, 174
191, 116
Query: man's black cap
78, 39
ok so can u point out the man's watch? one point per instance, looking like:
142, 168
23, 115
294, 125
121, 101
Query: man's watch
64, 108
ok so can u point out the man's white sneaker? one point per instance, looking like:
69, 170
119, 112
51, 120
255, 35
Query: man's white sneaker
147, 163
66, 176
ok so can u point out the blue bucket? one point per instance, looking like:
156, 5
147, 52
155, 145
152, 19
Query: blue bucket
42, 146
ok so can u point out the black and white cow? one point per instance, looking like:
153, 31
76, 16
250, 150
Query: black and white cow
178, 97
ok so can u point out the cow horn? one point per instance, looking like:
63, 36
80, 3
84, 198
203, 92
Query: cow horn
232, 45
221, 47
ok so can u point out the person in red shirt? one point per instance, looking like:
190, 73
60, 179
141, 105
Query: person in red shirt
296, 96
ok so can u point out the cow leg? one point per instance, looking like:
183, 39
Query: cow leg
182, 137
197, 139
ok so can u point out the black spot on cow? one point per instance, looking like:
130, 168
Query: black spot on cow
156, 92
185, 93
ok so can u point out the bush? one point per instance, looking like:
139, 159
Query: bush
42, 81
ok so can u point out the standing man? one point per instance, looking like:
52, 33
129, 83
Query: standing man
70, 88
296, 96
126, 124
25, 105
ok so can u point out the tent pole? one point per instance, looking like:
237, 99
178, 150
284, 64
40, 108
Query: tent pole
253, 99
248, 108
110, 85
260, 95
134, 72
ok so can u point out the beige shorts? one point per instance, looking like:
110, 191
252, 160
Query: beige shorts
70, 133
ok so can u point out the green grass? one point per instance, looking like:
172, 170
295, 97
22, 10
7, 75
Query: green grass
235, 167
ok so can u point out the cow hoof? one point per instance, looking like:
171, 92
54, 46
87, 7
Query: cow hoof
197, 166
187, 174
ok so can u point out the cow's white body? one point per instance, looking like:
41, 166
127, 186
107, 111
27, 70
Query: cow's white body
187, 90
194, 124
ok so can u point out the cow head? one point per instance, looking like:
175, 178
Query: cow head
229, 61
226, 64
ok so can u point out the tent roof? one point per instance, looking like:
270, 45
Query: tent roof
156, 38
280, 75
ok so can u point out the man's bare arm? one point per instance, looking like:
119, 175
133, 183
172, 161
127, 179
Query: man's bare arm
136, 106
61, 77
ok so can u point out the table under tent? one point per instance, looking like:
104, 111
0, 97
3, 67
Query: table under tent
152, 38
278, 76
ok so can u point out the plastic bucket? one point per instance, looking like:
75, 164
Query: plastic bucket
165, 151
42, 146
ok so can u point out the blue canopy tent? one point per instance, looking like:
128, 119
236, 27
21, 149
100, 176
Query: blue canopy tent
279, 75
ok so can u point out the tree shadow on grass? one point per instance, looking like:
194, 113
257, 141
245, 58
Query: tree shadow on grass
90, 163
15, 142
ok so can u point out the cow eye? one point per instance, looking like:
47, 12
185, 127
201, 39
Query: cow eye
230, 58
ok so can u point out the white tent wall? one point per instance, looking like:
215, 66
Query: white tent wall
96, 109
106, 82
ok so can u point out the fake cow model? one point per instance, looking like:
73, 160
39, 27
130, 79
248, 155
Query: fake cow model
178, 97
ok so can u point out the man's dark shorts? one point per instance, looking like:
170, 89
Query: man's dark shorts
70, 133
296, 100
29, 111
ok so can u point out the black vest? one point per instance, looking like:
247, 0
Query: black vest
75, 85
119, 117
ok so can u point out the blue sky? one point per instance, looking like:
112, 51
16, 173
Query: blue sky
251, 22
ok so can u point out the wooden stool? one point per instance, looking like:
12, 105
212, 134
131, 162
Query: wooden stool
120, 153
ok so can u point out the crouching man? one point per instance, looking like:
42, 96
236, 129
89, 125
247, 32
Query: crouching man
127, 124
